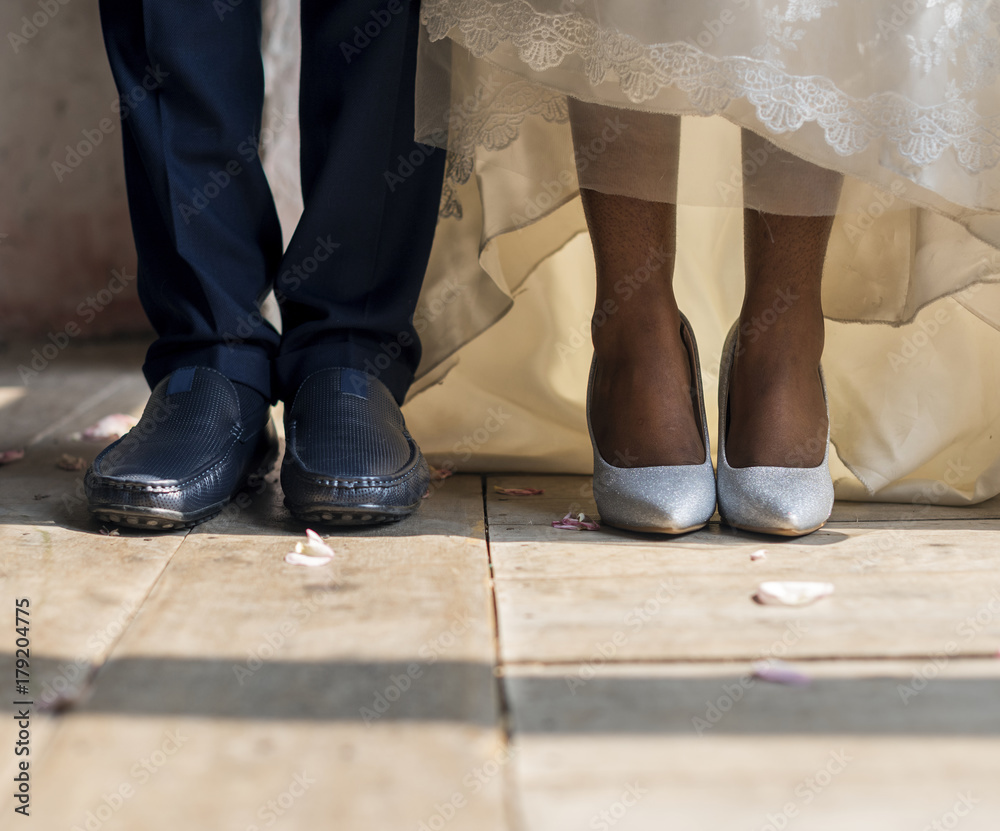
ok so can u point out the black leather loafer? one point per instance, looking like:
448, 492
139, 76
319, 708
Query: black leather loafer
185, 459
348, 457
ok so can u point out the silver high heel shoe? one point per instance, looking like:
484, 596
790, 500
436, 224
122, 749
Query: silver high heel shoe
789, 501
669, 499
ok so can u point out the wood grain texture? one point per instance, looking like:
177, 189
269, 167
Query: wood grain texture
372, 676
705, 747
902, 588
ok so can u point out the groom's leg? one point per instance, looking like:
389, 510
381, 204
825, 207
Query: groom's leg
350, 278
207, 234
191, 82
349, 281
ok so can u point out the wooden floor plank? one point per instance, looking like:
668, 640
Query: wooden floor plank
895, 512
84, 588
531, 552
243, 774
372, 675
640, 747
702, 618
561, 595
83, 380
572, 494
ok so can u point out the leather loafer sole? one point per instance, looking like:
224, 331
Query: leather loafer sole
351, 501
130, 513
354, 515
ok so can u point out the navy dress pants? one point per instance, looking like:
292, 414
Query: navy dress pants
190, 79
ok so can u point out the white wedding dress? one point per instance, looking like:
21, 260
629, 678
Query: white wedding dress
901, 97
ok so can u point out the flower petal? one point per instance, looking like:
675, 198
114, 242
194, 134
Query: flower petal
298, 558
578, 523
314, 545
791, 592
8, 456
778, 672
68, 462
110, 427
312, 552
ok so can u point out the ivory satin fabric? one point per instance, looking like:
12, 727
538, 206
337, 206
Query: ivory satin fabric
906, 106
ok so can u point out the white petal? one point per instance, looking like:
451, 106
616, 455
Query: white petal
314, 545
297, 558
758, 555
312, 552
792, 593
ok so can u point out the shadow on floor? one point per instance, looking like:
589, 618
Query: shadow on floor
465, 691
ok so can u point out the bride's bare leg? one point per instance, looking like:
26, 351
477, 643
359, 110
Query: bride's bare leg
641, 411
776, 414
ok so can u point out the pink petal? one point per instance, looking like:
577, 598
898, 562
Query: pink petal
67, 462
519, 491
110, 427
438, 473
578, 523
778, 672
8, 456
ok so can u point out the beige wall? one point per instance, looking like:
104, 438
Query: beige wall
64, 234
63, 238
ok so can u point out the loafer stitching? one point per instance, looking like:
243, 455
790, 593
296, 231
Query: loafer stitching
183, 485
357, 482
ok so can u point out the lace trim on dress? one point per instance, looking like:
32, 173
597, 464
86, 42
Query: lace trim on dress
491, 119
783, 102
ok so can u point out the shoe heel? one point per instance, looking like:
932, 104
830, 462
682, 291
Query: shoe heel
668, 499
787, 501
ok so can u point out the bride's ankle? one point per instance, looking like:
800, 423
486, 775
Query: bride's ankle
629, 329
779, 333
